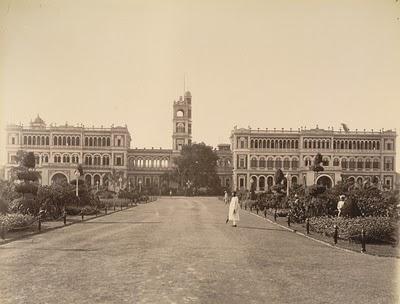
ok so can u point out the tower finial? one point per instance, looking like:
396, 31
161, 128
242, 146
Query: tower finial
184, 84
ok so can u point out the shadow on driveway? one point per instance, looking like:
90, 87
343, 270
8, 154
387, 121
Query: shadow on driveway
134, 223
259, 228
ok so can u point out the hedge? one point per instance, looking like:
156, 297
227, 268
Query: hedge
16, 220
377, 229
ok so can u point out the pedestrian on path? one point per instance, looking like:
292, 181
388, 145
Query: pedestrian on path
226, 198
234, 207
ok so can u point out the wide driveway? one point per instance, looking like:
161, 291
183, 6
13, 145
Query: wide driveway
179, 250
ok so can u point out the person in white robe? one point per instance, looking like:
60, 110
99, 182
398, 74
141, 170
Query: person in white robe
234, 208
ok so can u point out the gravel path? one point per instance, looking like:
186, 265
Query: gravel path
179, 250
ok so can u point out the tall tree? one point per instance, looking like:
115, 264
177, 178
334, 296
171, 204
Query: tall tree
196, 166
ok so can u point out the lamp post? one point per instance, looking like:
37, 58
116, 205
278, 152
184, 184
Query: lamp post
129, 186
97, 185
77, 174
120, 183
140, 186
287, 184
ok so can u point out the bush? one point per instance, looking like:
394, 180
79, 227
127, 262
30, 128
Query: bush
377, 229
70, 210
28, 175
3, 206
25, 205
16, 220
27, 188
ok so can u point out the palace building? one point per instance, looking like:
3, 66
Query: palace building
104, 151
249, 162
356, 155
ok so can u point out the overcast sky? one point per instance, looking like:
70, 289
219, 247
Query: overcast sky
248, 63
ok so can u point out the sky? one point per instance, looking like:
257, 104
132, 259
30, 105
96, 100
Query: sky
264, 64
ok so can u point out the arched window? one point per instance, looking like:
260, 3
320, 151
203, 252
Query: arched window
352, 164
295, 164
33, 140
268, 144
296, 144
95, 141
256, 144
88, 160
73, 141
90, 141
367, 163
103, 142
55, 141
253, 162
264, 144
286, 163
86, 141
270, 163
336, 162
46, 158
375, 164
108, 142
77, 141
262, 162
64, 141
360, 163
325, 161
68, 140
251, 144
344, 163
278, 163
307, 162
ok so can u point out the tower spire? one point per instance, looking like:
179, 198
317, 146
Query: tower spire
184, 84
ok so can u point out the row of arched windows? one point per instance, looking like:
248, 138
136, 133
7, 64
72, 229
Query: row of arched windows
274, 163
316, 144
36, 140
97, 160
98, 141
356, 145
41, 158
66, 140
148, 163
349, 163
274, 144
66, 158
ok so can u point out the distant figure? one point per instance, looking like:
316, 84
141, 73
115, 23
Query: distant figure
340, 204
226, 198
170, 192
234, 207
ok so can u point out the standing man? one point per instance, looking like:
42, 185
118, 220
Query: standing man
234, 209
340, 204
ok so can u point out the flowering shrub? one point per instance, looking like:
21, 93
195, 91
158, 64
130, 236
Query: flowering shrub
375, 228
16, 220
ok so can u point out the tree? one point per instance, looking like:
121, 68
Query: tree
317, 163
27, 186
196, 167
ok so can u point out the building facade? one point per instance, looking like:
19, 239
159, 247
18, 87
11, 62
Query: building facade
356, 155
103, 151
